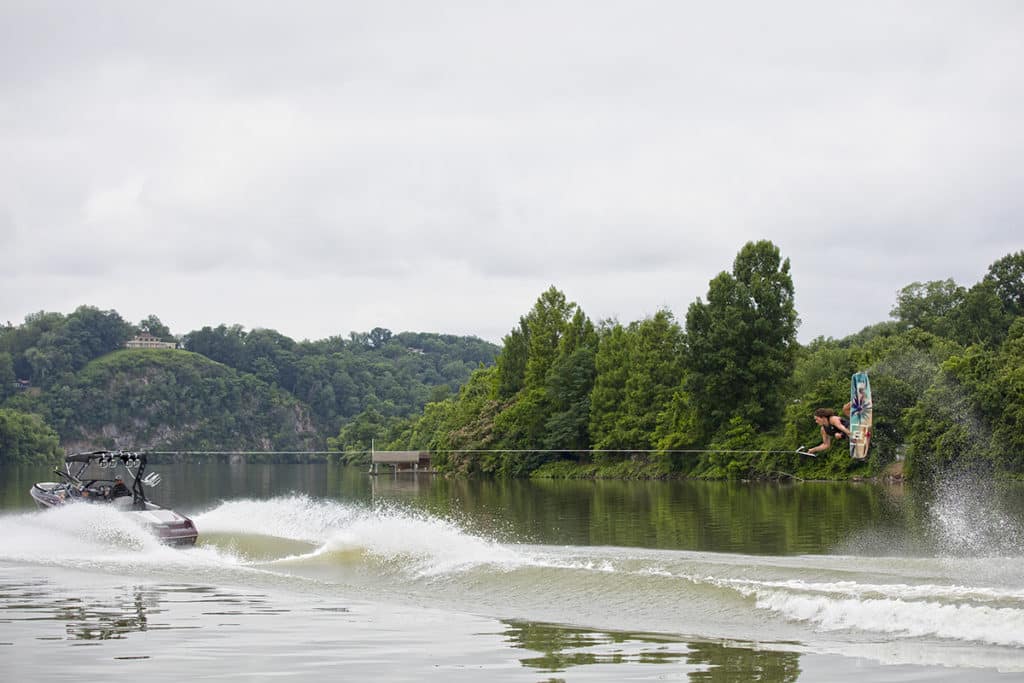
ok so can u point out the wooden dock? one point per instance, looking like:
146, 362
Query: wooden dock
401, 461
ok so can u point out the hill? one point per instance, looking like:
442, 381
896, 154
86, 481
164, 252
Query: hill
226, 388
166, 400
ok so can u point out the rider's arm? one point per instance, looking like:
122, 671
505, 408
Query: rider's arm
826, 441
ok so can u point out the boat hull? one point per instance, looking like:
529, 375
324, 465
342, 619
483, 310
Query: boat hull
170, 527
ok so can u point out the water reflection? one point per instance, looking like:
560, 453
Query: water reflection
83, 618
753, 518
731, 663
119, 612
561, 648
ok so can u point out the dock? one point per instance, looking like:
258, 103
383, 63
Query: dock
401, 461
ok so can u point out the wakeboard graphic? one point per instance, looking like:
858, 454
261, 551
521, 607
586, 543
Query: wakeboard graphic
860, 415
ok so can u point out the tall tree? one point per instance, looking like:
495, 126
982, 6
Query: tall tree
223, 344
1007, 276
569, 384
379, 336
928, 305
655, 373
981, 317
155, 327
611, 364
741, 344
512, 361
546, 324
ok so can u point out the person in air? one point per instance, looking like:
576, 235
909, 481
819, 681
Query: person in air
832, 427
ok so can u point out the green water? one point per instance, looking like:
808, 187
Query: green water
325, 570
754, 518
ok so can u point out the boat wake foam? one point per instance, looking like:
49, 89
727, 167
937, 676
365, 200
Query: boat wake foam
390, 551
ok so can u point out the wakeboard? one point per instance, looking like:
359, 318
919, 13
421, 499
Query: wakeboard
860, 415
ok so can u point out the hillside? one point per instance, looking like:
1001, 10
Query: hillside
228, 389
169, 400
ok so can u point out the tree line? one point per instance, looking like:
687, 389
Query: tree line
729, 392
69, 379
726, 392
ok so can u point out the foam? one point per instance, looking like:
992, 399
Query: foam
831, 594
415, 543
997, 626
946, 611
902, 591
298, 518
96, 536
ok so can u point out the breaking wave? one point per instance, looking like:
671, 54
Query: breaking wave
404, 555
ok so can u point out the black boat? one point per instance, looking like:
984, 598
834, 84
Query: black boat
100, 477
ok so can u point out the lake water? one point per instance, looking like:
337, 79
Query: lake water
322, 570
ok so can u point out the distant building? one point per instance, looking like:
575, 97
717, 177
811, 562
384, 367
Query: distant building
21, 384
148, 341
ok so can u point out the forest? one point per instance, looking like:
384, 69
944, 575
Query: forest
68, 383
725, 392
728, 392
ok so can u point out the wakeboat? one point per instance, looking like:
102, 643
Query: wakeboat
118, 479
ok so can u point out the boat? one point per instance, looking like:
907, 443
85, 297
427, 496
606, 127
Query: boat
99, 478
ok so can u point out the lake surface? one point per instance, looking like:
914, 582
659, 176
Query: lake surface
322, 570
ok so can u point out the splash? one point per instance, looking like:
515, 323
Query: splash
73, 531
968, 519
95, 536
981, 614
980, 623
297, 518
395, 538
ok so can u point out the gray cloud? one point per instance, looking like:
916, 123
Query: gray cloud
423, 166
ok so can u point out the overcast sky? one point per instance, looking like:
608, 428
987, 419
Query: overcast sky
324, 167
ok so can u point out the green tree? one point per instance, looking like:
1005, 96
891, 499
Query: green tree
569, 384
655, 372
549, 334
741, 344
1006, 400
379, 336
546, 323
18, 341
611, 365
153, 325
927, 306
271, 356
945, 430
58, 347
1007, 277
463, 424
512, 361
369, 429
902, 368
821, 379
26, 439
90, 333
981, 317
7, 376
223, 344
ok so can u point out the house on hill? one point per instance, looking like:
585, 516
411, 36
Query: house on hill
148, 341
